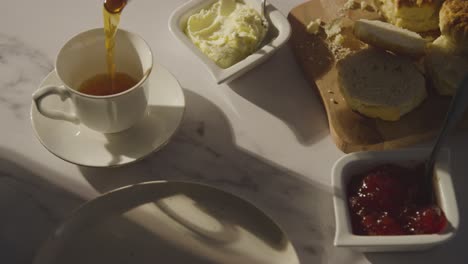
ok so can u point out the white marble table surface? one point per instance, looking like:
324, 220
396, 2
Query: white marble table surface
263, 137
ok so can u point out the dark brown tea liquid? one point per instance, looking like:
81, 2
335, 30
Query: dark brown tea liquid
102, 84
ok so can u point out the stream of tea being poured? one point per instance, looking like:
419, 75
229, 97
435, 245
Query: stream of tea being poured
112, 82
111, 13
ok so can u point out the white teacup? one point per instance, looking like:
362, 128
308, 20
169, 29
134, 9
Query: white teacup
83, 57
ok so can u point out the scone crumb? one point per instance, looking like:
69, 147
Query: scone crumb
335, 44
363, 5
314, 26
335, 39
355, 5
367, 7
339, 40
334, 28
350, 5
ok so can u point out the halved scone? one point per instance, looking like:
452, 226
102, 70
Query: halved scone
380, 85
415, 15
445, 69
454, 23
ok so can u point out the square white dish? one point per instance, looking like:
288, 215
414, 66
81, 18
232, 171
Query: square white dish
359, 162
278, 34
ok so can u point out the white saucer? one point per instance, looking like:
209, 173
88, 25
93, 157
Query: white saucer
82, 146
167, 222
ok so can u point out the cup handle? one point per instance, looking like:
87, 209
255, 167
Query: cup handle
50, 113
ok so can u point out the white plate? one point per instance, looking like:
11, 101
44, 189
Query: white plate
82, 146
167, 222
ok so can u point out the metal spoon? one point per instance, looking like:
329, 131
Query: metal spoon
263, 7
454, 114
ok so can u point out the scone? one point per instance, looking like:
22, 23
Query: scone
446, 45
380, 85
415, 15
444, 69
454, 23
390, 37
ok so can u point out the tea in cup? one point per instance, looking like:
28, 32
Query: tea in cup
102, 103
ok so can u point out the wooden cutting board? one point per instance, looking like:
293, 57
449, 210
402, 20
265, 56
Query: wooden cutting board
350, 130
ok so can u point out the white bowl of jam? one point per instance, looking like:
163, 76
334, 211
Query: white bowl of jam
381, 203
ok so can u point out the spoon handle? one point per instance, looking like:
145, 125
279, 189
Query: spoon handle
454, 114
263, 7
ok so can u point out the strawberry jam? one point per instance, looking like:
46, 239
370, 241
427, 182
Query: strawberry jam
390, 200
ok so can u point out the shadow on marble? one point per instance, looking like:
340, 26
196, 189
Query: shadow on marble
204, 151
298, 107
31, 207
455, 250
118, 146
